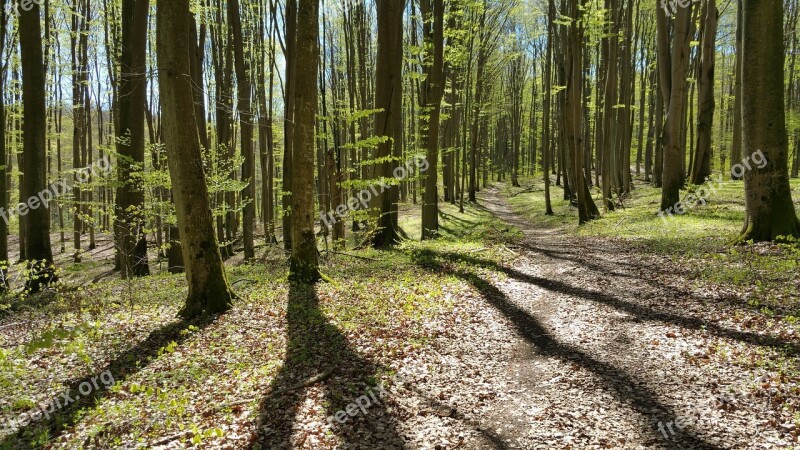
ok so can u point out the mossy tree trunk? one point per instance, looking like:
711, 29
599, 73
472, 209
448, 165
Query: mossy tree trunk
209, 291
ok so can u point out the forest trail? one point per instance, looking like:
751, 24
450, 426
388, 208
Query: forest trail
595, 345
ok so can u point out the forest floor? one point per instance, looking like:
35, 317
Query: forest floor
512, 331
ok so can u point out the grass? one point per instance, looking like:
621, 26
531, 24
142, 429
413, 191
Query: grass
202, 382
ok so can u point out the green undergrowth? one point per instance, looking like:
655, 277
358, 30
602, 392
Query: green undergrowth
202, 382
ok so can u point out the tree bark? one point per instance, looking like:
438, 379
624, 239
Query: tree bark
705, 80
770, 211
388, 99
209, 292
38, 252
672, 174
433, 88
130, 223
304, 265
244, 104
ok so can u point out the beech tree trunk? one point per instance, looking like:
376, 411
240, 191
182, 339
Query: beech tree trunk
38, 252
388, 99
130, 223
304, 265
244, 104
209, 292
705, 80
3, 166
673, 174
433, 88
770, 211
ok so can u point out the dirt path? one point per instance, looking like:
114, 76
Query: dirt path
584, 343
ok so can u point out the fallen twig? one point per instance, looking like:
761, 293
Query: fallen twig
168, 439
313, 380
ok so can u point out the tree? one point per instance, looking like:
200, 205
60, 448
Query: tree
130, 223
3, 158
587, 210
38, 251
304, 265
431, 99
389, 100
673, 66
705, 81
768, 198
246, 128
290, 55
209, 291
547, 96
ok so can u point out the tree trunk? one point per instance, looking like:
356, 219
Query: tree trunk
546, 101
209, 292
736, 146
770, 211
388, 99
304, 260
244, 104
433, 88
38, 252
673, 175
290, 57
130, 223
3, 166
573, 113
705, 80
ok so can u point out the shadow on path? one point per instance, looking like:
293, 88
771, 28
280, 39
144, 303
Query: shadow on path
624, 387
318, 353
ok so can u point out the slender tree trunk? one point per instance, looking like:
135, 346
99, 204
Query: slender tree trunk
573, 113
705, 116
3, 166
736, 146
288, 118
244, 104
547, 96
304, 259
433, 88
673, 174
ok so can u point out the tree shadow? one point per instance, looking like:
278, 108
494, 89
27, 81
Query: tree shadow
319, 354
123, 366
627, 389
641, 312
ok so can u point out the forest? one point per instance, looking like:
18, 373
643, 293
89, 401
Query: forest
399, 224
